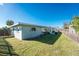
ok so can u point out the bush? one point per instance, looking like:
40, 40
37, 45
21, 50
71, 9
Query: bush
5, 32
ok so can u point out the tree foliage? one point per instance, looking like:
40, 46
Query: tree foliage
9, 22
75, 22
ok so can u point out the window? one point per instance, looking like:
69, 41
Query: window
18, 28
33, 29
53, 31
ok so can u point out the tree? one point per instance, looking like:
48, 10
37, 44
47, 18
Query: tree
9, 22
75, 23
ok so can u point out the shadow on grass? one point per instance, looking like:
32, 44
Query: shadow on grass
5, 48
48, 38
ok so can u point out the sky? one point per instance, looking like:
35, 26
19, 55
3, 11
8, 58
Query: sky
46, 14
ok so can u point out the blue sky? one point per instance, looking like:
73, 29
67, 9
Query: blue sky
47, 14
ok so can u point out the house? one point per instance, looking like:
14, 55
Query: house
72, 30
25, 31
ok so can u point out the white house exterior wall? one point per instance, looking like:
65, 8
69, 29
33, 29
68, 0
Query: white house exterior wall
72, 30
18, 34
28, 33
25, 32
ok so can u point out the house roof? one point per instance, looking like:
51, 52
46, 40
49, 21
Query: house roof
25, 24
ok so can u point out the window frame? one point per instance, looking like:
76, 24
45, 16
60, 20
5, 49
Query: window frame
33, 29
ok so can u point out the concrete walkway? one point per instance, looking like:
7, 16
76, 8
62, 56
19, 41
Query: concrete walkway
5, 48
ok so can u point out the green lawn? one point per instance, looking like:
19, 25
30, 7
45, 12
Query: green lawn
47, 45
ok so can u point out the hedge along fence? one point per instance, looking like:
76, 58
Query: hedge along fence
5, 32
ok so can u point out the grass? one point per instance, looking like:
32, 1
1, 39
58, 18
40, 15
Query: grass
5, 48
48, 45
